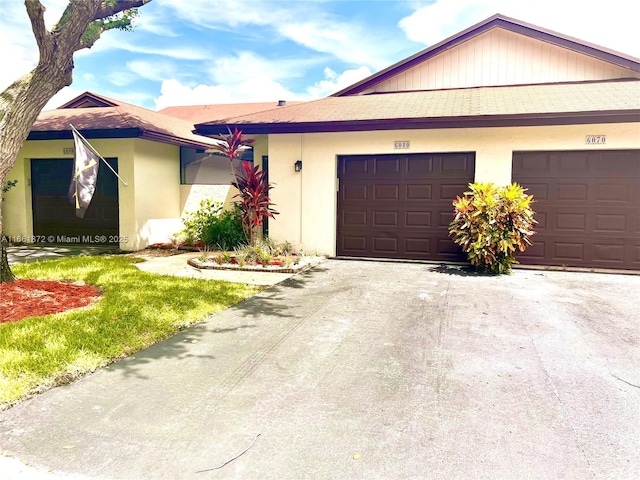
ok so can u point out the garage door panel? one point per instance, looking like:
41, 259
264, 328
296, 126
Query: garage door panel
357, 218
383, 245
354, 192
538, 190
419, 192
571, 222
386, 166
420, 167
357, 166
587, 216
531, 164
419, 219
407, 210
567, 163
613, 193
608, 252
618, 164
386, 192
611, 223
355, 245
417, 247
572, 192
385, 219
448, 192
454, 165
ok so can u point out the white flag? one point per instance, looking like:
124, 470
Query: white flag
85, 176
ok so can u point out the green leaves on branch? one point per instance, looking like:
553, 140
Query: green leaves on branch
120, 21
492, 224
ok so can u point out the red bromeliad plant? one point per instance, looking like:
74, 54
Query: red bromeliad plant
255, 203
252, 184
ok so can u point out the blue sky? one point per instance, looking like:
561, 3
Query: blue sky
189, 52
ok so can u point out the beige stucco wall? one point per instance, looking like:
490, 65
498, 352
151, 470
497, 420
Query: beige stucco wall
156, 212
18, 216
150, 203
307, 200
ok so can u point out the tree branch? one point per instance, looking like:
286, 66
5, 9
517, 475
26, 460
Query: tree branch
108, 9
35, 10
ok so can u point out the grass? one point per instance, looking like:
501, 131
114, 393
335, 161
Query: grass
137, 309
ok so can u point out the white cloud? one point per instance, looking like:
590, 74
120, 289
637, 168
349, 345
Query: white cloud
22, 60
152, 70
301, 22
612, 24
232, 69
116, 40
254, 89
333, 82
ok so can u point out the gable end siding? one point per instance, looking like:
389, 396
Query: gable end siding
501, 57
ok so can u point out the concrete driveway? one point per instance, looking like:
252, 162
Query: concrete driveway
367, 370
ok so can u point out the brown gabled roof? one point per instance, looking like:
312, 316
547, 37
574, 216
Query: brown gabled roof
507, 23
540, 104
121, 120
90, 100
209, 113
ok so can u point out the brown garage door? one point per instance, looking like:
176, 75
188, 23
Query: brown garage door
587, 206
54, 217
399, 206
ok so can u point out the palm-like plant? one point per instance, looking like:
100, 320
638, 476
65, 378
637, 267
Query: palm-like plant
252, 185
255, 203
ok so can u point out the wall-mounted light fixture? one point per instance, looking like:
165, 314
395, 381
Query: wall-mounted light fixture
297, 166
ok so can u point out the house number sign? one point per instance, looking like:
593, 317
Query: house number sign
401, 144
596, 139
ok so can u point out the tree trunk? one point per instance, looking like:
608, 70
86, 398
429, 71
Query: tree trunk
6, 275
20, 105
22, 101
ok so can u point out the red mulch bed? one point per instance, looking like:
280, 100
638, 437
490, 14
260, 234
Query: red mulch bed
31, 298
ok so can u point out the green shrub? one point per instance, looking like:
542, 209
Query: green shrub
196, 222
492, 223
225, 232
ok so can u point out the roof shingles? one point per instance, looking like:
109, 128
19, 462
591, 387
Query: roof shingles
558, 99
123, 117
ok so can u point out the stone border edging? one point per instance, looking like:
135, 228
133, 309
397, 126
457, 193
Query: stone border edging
300, 267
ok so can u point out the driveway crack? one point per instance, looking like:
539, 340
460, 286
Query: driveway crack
549, 379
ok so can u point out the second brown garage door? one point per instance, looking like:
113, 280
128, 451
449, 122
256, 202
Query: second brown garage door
399, 206
587, 206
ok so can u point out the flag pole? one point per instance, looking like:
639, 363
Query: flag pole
86, 142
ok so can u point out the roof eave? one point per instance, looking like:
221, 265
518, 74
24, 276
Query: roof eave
89, 134
519, 120
113, 133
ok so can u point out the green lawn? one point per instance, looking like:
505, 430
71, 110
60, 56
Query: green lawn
136, 310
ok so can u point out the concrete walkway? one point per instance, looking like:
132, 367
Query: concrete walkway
366, 370
162, 265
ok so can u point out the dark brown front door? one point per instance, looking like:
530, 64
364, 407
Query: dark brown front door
54, 216
399, 206
587, 204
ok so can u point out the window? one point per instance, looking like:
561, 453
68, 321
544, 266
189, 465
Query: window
200, 168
